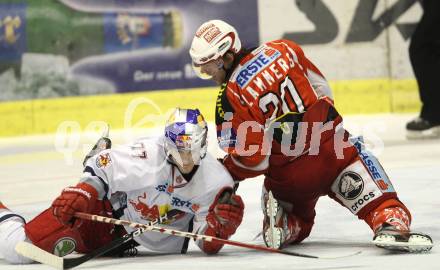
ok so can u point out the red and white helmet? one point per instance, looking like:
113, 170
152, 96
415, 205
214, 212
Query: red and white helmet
211, 41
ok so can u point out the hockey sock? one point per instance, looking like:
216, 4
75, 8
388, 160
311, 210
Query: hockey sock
391, 212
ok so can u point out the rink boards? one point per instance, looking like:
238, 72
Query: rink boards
127, 110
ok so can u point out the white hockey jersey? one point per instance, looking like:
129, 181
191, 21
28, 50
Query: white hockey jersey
142, 186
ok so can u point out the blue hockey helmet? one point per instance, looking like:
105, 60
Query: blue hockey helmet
186, 130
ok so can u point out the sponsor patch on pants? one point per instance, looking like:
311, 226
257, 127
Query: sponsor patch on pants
64, 246
355, 188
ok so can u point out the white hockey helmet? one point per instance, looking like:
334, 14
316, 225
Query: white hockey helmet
212, 40
186, 130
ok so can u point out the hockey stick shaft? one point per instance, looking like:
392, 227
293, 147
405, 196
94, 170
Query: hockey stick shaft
187, 234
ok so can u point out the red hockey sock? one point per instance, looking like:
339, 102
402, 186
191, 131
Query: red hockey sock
391, 212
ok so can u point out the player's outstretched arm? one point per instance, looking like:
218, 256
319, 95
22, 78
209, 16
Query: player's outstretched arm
223, 219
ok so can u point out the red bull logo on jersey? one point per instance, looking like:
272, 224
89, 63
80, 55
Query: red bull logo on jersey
147, 212
254, 66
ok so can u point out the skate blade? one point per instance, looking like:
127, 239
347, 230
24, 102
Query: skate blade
274, 238
415, 244
273, 234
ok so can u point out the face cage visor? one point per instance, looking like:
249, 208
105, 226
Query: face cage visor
187, 143
204, 71
173, 153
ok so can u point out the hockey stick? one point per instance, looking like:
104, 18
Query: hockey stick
199, 236
39, 255
35, 253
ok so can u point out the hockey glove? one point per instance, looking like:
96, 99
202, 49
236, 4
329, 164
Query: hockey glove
81, 198
224, 217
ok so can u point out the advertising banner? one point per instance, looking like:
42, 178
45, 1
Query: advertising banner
97, 46
53, 48
163, 61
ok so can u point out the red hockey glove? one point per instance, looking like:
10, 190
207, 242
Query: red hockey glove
81, 198
224, 217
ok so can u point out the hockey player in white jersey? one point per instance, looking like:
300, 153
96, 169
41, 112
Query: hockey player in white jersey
171, 179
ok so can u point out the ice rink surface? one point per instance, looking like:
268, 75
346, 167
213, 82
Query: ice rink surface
33, 171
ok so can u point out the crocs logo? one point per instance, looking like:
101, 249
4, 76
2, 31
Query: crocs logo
350, 185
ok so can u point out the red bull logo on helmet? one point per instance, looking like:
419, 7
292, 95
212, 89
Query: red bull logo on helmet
183, 141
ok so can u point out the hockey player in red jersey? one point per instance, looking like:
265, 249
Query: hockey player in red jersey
275, 116
169, 178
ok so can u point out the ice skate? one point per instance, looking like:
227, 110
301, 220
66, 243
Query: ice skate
390, 238
274, 233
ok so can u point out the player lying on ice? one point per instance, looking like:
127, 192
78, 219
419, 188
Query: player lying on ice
275, 116
171, 176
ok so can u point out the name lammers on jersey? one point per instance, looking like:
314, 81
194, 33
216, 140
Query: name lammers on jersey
260, 61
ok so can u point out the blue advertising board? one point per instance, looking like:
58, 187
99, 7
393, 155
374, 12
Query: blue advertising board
160, 63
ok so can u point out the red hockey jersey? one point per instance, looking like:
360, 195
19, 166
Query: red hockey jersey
266, 97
